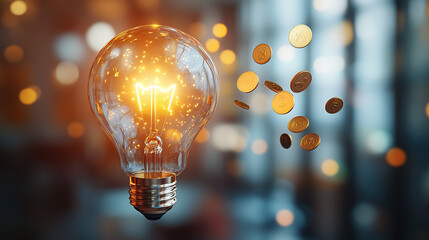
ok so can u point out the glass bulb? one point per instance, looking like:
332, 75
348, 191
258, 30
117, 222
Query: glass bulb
152, 89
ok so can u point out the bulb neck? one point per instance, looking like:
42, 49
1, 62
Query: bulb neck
153, 194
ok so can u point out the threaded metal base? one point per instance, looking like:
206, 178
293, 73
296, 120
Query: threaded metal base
153, 194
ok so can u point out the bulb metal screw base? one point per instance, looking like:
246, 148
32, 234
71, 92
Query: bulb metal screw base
153, 194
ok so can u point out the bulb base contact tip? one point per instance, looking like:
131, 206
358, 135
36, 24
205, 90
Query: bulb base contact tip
153, 194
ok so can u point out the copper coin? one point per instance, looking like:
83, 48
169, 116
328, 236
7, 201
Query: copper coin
262, 53
334, 105
241, 104
300, 81
285, 140
310, 141
273, 86
298, 124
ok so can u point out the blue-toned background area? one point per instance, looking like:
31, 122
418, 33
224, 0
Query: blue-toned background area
60, 176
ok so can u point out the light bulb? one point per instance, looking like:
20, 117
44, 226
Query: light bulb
152, 89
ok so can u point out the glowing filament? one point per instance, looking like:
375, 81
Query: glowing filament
140, 90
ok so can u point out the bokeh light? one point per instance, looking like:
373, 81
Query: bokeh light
29, 95
365, 214
427, 109
18, 7
13, 53
259, 146
378, 141
212, 45
66, 73
230, 137
98, 35
70, 47
396, 157
260, 103
284, 217
347, 32
329, 64
75, 129
321, 5
330, 167
227, 57
219, 30
332, 7
286, 53
203, 136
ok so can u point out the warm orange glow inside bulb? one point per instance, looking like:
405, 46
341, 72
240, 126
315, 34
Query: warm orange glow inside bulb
140, 90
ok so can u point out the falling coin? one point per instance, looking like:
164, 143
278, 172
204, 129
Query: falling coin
285, 140
283, 102
300, 81
310, 141
241, 104
334, 105
273, 86
247, 81
300, 36
298, 124
262, 53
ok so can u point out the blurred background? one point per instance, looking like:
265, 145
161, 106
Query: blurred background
60, 176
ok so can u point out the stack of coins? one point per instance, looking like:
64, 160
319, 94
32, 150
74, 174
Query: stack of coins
283, 101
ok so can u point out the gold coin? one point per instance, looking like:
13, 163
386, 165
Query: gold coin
247, 82
300, 81
310, 141
298, 124
283, 102
285, 140
262, 53
334, 105
273, 86
300, 36
241, 104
